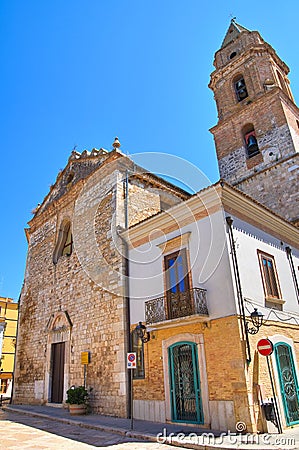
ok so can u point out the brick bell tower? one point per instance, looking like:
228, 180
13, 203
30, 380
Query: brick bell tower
257, 134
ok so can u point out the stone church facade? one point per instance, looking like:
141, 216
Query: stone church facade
113, 245
73, 294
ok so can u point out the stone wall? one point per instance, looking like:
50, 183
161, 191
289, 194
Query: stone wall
276, 188
94, 305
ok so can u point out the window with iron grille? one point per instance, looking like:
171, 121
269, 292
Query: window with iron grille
269, 276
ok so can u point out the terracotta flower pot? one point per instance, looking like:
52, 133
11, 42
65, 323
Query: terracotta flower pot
77, 410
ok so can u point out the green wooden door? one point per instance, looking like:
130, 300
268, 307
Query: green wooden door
288, 382
185, 383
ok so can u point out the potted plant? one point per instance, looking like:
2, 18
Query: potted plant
77, 398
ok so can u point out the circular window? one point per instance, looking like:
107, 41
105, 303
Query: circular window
232, 55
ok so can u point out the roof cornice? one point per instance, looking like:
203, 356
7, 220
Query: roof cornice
206, 202
202, 204
244, 207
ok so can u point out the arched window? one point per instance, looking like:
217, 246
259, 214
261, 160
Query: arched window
240, 88
250, 140
64, 245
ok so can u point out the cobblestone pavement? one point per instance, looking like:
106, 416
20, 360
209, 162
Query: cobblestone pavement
21, 432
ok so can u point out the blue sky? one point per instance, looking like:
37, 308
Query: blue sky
80, 72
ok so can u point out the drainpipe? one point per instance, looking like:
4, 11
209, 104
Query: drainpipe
290, 258
127, 295
229, 222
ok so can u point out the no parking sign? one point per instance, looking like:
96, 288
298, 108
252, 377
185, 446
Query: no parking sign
131, 360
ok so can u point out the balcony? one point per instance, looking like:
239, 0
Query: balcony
176, 305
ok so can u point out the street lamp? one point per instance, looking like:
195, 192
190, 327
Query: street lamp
257, 319
141, 332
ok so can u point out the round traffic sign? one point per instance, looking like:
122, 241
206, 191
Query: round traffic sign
265, 347
131, 357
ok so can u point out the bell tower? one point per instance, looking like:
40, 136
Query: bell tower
257, 134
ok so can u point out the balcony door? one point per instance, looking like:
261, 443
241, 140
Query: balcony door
177, 285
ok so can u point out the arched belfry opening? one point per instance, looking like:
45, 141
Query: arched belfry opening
240, 88
250, 141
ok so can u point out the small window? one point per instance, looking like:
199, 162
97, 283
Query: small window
232, 55
269, 278
240, 89
64, 245
138, 348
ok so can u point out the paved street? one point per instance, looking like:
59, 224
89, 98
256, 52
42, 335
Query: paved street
19, 431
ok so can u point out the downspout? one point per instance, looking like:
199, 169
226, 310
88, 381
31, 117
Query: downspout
127, 294
229, 222
290, 258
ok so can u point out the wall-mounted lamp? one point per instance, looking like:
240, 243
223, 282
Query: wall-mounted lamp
142, 333
257, 319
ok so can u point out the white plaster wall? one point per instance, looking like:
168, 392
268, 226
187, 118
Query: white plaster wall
248, 240
209, 261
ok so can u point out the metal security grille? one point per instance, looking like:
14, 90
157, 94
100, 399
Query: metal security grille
185, 392
288, 382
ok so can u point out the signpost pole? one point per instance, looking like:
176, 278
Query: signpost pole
131, 364
85, 376
132, 402
265, 348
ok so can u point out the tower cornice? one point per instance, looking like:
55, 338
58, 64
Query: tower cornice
244, 58
256, 102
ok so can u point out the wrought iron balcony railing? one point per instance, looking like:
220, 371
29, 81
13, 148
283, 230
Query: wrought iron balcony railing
175, 305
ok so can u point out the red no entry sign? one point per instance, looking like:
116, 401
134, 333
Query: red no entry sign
265, 347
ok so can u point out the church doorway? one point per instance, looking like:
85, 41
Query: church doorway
57, 359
